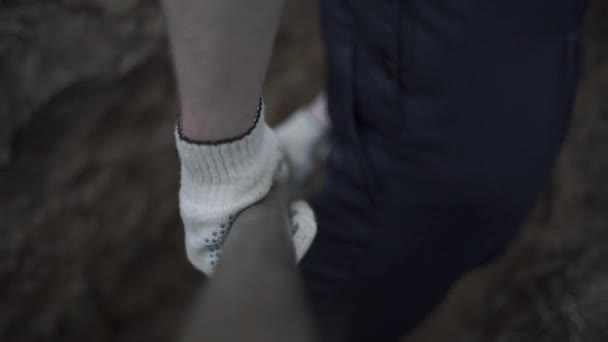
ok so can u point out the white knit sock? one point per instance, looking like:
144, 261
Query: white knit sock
303, 136
220, 179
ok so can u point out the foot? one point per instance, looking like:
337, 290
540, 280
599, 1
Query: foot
303, 136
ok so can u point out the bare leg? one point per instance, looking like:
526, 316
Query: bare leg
256, 294
221, 51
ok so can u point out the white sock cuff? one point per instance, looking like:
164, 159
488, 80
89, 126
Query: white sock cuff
243, 165
220, 179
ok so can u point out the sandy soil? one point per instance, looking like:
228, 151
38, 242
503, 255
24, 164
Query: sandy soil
90, 238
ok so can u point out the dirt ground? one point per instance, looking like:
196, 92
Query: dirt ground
90, 240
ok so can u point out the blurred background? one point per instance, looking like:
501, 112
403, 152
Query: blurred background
90, 239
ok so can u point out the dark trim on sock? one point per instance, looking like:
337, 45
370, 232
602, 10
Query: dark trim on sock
182, 137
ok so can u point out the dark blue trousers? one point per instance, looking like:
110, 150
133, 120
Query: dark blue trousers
448, 116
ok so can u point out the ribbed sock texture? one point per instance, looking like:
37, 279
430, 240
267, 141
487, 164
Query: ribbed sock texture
219, 180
